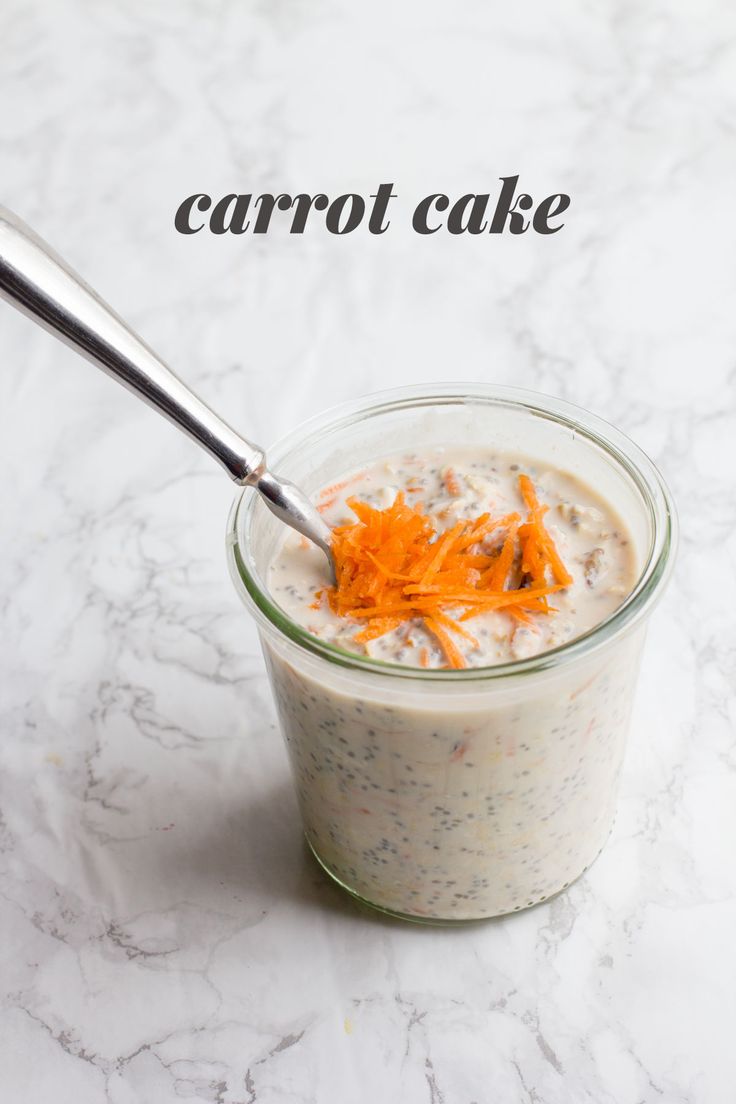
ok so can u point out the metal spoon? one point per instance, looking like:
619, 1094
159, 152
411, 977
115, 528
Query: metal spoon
40, 284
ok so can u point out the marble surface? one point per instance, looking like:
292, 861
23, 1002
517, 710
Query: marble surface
165, 936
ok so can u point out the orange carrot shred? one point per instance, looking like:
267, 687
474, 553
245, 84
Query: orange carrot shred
448, 623
393, 567
454, 656
544, 547
335, 488
451, 483
500, 570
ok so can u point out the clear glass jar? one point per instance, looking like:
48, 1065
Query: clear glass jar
446, 795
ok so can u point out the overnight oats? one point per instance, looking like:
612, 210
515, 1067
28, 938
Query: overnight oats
471, 523
456, 703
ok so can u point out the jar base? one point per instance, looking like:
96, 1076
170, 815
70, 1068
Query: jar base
440, 921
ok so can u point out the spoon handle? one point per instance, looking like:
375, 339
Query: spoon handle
40, 284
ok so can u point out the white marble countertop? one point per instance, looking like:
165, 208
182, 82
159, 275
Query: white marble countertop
165, 936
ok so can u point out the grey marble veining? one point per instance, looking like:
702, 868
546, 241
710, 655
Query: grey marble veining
165, 936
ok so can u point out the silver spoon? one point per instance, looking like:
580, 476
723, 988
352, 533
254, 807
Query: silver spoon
40, 284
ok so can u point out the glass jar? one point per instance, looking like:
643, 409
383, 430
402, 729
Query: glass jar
452, 795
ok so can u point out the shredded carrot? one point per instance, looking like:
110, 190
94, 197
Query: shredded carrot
322, 506
541, 536
500, 570
335, 488
377, 627
454, 655
518, 615
451, 483
448, 623
392, 567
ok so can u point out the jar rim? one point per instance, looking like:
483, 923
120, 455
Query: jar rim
641, 471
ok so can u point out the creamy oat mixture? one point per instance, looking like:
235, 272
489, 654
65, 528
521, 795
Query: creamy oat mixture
449, 485
440, 804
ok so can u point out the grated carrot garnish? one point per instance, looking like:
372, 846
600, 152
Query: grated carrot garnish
448, 623
544, 545
520, 615
335, 488
451, 483
377, 627
500, 570
453, 655
392, 567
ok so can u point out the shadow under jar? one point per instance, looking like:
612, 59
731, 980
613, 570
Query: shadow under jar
454, 795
